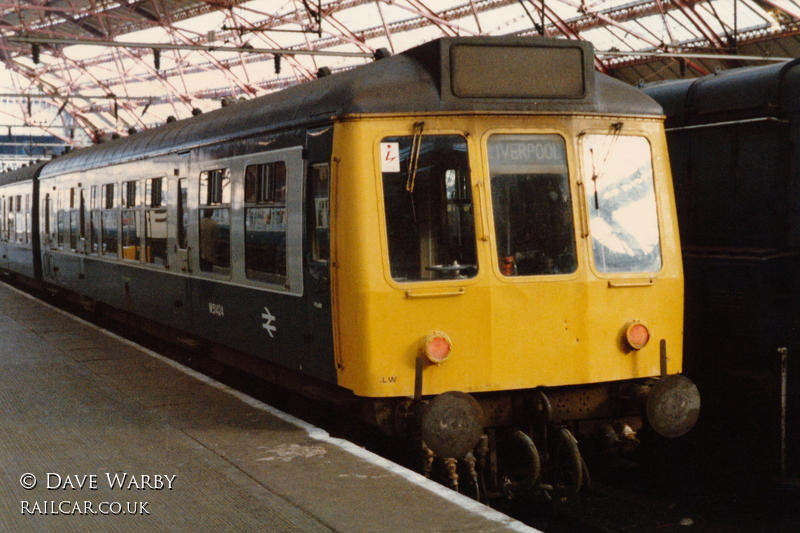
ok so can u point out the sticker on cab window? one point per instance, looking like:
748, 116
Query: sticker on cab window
390, 157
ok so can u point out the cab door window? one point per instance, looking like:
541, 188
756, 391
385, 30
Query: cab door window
428, 204
620, 193
320, 211
532, 206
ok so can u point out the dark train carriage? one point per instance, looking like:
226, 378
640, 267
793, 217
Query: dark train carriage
734, 142
19, 226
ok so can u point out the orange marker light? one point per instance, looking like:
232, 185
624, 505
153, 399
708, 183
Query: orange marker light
437, 347
637, 335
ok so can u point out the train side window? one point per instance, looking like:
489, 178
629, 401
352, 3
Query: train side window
130, 220
62, 219
109, 229
47, 213
532, 206
265, 222
27, 237
95, 217
19, 220
155, 222
320, 224
183, 214
8, 223
214, 223
428, 203
74, 219
620, 193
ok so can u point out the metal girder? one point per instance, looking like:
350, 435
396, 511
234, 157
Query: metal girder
688, 9
564, 28
783, 7
107, 19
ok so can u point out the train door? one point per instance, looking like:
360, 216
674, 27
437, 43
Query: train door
178, 219
48, 236
319, 324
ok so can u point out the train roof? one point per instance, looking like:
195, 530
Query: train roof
735, 94
25, 173
474, 74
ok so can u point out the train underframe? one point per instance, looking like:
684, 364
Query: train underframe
509, 444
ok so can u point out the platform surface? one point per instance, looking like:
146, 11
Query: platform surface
103, 435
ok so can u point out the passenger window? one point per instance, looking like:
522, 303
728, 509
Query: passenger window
532, 205
265, 222
27, 218
428, 203
215, 225
620, 192
320, 224
62, 221
47, 210
8, 209
130, 221
19, 220
183, 214
155, 223
95, 217
109, 224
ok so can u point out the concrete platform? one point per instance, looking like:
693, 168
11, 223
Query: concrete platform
102, 435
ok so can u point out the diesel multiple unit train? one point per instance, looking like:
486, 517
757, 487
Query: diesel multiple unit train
735, 155
476, 239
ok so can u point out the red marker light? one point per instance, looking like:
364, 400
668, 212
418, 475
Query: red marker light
637, 335
437, 347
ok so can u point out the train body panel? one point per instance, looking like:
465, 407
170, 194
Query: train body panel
547, 328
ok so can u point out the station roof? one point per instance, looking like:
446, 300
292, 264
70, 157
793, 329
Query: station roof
82, 69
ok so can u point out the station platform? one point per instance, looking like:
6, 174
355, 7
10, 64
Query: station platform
103, 435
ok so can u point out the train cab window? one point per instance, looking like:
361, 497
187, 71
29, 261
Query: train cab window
109, 229
428, 203
155, 221
130, 220
620, 192
265, 222
215, 221
532, 205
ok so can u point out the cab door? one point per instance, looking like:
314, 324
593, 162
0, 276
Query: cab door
319, 322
